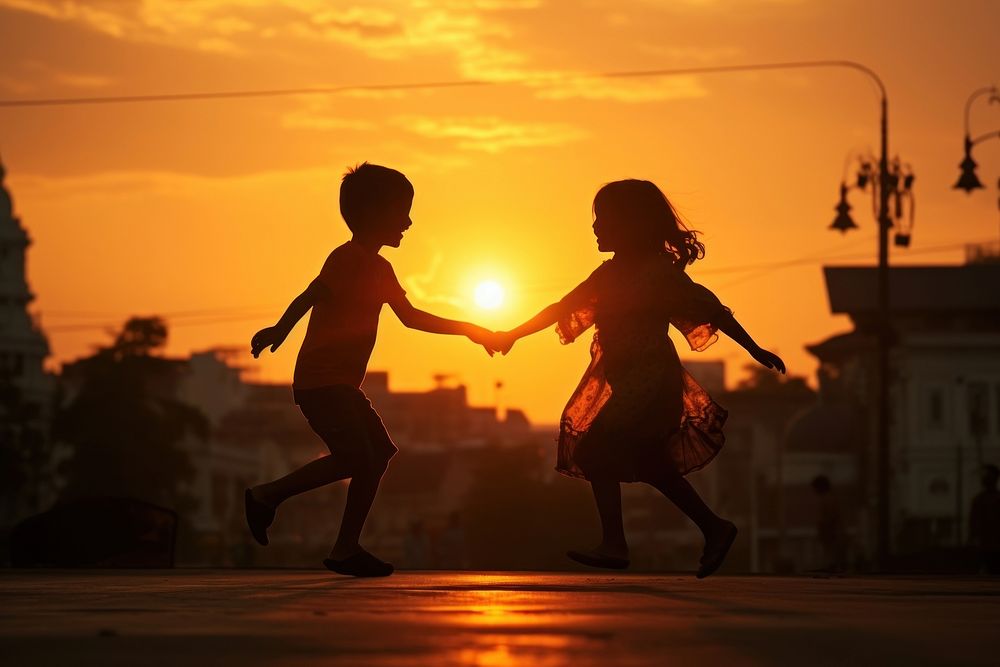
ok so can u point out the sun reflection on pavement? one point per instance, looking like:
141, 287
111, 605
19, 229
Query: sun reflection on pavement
528, 650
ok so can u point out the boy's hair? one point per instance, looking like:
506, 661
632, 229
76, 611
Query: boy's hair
365, 191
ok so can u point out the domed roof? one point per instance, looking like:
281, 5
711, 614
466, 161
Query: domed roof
826, 427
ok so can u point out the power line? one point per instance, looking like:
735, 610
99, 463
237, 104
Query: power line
764, 268
69, 314
210, 316
91, 326
783, 265
528, 80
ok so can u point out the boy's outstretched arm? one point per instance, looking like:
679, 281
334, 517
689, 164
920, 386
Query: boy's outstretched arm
414, 318
728, 325
274, 336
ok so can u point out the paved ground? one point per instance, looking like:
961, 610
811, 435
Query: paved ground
190, 617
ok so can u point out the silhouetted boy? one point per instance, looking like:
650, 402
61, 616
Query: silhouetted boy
346, 299
984, 520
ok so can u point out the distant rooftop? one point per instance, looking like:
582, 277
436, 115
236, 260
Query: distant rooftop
916, 289
983, 253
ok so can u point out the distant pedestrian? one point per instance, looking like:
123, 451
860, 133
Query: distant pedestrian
984, 521
637, 415
830, 529
345, 300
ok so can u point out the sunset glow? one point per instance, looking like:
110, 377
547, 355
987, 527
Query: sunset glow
216, 213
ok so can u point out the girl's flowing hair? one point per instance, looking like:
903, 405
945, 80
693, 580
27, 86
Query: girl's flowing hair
647, 211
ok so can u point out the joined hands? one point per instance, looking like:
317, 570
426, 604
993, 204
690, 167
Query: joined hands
492, 341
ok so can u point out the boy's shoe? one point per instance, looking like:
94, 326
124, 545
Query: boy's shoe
596, 559
361, 564
716, 552
259, 517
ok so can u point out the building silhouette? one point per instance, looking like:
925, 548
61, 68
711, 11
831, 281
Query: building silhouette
26, 388
945, 398
23, 345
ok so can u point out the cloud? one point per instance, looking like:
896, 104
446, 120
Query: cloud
203, 25
100, 186
109, 20
33, 76
479, 35
471, 32
490, 133
419, 284
701, 55
624, 89
317, 114
718, 5
357, 22
219, 45
486, 5
386, 30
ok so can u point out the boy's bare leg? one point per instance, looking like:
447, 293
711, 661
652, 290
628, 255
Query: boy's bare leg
608, 496
360, 497
312, 475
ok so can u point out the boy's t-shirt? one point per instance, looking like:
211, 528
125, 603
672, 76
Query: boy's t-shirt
342, 327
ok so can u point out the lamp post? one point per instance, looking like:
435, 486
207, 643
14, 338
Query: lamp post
890, 181
968, 180
900, 184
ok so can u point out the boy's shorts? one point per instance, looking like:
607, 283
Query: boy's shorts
346, 421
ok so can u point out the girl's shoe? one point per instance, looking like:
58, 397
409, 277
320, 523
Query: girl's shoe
596, 559
361, 564
716, 551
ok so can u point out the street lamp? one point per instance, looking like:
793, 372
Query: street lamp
968, 180
899, 184
843, 222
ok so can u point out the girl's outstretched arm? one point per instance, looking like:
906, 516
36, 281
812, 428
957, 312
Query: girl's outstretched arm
728, 325
578, 297
543, 320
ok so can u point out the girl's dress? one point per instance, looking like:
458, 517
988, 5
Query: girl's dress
637, 413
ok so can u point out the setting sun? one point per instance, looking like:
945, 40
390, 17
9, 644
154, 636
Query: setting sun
489, 295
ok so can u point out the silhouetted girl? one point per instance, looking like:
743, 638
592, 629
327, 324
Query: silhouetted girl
637, 415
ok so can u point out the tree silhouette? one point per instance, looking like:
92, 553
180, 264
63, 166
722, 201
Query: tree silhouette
123, 422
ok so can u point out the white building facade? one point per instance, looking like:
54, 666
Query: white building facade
945, 391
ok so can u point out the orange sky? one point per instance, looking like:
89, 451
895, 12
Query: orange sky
216, 213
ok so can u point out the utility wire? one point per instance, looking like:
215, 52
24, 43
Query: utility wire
205, 317
530, 80
90, 326
768, 267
